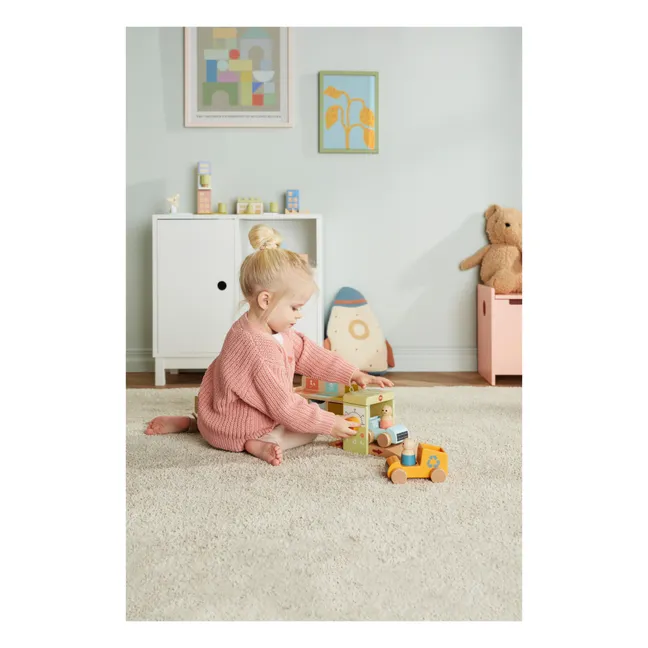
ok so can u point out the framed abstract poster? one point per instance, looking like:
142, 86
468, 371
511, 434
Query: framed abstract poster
238, 77
348, 112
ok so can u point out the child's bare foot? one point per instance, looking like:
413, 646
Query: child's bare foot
168, 424
269, 452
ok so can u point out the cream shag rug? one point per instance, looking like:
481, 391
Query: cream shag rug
219, 536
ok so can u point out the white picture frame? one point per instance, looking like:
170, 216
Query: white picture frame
230, 74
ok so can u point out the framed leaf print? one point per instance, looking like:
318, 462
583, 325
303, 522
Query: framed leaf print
348, 112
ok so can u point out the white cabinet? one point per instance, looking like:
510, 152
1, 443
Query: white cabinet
196, 294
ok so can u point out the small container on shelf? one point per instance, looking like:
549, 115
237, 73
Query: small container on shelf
173, 201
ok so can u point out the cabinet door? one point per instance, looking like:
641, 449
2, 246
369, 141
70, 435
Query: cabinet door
507, 337
196, 289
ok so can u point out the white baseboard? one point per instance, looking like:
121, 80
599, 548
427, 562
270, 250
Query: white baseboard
435, 359
406, 358
139, 360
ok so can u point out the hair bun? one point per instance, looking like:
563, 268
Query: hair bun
263, 237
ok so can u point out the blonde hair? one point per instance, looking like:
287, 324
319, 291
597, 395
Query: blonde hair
271, 267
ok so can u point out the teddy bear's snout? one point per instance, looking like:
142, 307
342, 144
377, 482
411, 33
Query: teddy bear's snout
508, 224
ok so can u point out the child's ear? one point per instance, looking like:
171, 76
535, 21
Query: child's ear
491, 210
263, 300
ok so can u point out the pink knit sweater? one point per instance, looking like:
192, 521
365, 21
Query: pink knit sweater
248, 389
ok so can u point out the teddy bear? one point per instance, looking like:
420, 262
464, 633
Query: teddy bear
501, 260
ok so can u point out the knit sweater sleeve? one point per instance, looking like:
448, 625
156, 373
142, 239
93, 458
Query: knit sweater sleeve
316, 362
271, 393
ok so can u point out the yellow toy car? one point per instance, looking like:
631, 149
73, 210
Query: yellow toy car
431, 463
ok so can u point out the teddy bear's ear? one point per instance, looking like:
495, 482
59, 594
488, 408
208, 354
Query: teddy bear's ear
491, 210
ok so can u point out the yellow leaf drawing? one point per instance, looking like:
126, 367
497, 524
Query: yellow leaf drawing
367, 116
369, 138
332, 116
332, 92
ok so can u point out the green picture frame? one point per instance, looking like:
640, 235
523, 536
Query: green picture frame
348, 112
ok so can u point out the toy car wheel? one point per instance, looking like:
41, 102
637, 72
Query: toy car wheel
399, 476
438, 475
370, 437
384, 440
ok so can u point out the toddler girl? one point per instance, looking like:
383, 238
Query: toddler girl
246, 399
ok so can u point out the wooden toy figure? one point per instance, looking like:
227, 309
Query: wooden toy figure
408, 456
386, 418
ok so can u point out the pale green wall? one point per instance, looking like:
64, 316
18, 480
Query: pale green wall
397, 223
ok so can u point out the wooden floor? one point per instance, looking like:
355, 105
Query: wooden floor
399, 378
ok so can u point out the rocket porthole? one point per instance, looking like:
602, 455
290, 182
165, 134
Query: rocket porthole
359, 329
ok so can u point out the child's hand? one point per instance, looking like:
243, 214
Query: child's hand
343, 428
363, 379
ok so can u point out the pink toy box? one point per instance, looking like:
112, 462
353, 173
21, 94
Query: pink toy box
499, 334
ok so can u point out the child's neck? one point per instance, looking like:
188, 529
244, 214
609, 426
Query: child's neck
256, 320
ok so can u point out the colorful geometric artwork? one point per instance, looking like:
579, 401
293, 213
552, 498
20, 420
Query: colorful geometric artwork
237, 76
348, 112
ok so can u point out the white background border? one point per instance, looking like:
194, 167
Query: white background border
584, 414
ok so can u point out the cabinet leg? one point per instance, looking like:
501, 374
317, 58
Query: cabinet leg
160, 377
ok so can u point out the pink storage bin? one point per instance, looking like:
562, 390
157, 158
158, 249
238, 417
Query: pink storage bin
499, 334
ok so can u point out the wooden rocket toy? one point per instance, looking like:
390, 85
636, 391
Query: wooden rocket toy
354, 333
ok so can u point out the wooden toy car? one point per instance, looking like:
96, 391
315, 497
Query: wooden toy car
386, 437
431, 463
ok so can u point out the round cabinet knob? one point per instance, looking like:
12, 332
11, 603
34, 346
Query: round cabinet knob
222, 285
